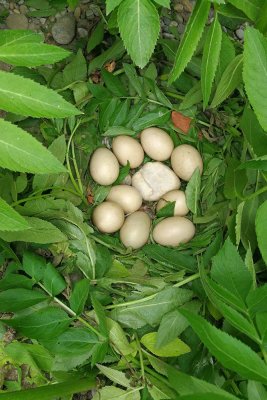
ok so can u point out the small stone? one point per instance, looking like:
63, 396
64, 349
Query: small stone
23, 9
77, 13
90, 14
181, 28
173, 23
82, 32
11, 5
240, 33
179, 18
63, 30
33, 27
17, 21
16, 11
43, 21
178, 7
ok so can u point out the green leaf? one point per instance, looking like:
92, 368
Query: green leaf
53, 280
255, 72
256, 391
261, 225
111, 5
101, 316
235, 181
26, 97
249, 7
76, 70
18, 299
115, 375
79, 296
192, 97
75, 341
205, 396
11, 37
31, 54
191, 37
10, 220
211, 55
40, 231
227, 54
96, 37
229, 351
229, 270
167, 210
139, 27
257, 300
118, 130
112, 53
45, 323
51, 391
259, 163
174, 348
253, 132
230, 80
114, 84
192, 191
163, 3
160, 117
114, 393
134, 80
34, 265
19, 151
118, 337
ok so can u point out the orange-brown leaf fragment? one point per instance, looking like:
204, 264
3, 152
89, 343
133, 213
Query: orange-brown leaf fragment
181, 122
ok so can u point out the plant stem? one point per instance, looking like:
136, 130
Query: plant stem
141, 358
76, 168
68, 159
255, 194
152, 296
175, 95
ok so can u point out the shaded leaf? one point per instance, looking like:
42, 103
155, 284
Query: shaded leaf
34, 265
18, 299
249, 7
96, 36
53, 280
192, 191
261, 227
79, 296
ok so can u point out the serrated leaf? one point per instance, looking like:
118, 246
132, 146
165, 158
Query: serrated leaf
229, 351
192, 191
256, 391
230, 80
40, 231
11, 37
79, 296
191, 37
255, 72
53, 280
249, 7
210, 59
111, 5
45, 323
18, 299
253, 132
227, 54
26, 97
31, 54
174, 348
139, 27
96, 37
75, 341
115, 376
261, 226
11, 220
257, 300
19, 151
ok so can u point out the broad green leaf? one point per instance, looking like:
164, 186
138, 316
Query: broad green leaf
206, 396
10, 281
34, 265
19, 151
210, 60
261, 24
96, 37
76, 70
256, 391
192, 191
118, 130
11, 37
238, 321
191, 37
253, 132
40, 231
230, 80
186, 385
167, 210
79, 296
115, 393
249, 7
111, 5
235, 180
229, 351
259, 163
164, 3
115, 376
248, 233
118, 338
192, 97
31, 54
261, 226
229, 270
18, 299
227, 54
139, 27
48, 392
45, 323
10, 220
53, 280
255, 72
26, 97
257, 300
75, 341
114, 84
174, 348
160, 117
134, 80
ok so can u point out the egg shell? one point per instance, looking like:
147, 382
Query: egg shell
128, 149
135, 230
157, 144
173, 230
108, 217
184, 160
127, 197
104, 167
180, 207
155, 179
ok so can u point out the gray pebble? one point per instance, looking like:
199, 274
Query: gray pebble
83, 33
63, 30
17, 21
240, 33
